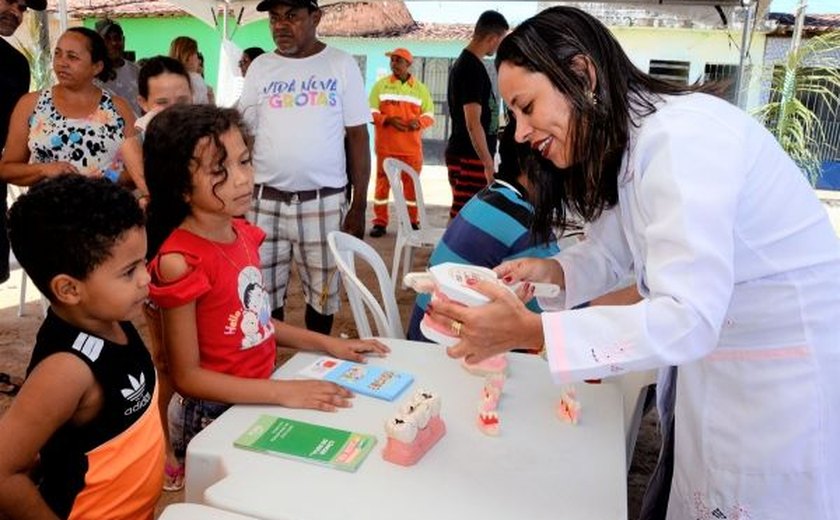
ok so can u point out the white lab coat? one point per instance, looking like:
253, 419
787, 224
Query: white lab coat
740, 272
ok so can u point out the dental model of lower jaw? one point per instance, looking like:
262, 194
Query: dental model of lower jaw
488, 423
488, 416
496, 380
414, 429
495, 365
490, 396
568, 407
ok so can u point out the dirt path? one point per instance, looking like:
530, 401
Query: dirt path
17, 334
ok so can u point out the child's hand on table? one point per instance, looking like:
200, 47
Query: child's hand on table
315, 395
355, 349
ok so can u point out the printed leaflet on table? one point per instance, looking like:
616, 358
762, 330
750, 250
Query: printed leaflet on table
372, 380
340, 449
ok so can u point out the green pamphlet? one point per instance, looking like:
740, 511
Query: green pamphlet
307, 442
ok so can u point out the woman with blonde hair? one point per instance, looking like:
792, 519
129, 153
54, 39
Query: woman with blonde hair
185, 50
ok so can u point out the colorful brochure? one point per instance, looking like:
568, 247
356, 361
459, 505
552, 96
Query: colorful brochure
340, 449
372, 380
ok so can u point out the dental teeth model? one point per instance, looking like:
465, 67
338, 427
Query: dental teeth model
450, 282
568, 407
488, 423
488, 416
492, 366
490, 395
414, 429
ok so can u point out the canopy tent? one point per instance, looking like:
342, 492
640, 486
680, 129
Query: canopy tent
229, 14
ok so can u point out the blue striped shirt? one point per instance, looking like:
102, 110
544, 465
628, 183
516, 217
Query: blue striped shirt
491, 228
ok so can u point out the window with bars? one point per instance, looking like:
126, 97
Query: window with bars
674, 71
725, 75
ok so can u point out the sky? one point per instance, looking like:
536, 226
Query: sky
515, 12
814, 6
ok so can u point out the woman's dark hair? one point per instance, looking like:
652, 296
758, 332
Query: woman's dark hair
560, 43
512, 155
98, 52
156, 66
169, 152
253, 52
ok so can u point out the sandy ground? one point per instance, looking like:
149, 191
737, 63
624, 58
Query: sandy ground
17, 333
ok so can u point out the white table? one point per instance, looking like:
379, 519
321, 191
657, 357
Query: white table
538, 468
198, 512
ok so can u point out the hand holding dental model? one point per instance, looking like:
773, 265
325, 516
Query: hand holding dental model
479, 312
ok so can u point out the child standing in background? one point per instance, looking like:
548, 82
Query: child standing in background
217, 327
88, 404
163, 82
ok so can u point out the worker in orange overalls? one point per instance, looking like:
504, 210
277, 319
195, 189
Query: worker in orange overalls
402, 107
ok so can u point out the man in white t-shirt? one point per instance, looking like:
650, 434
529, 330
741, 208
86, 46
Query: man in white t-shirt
306, 105
124, 82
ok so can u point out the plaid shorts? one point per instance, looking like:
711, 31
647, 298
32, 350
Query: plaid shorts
298, 230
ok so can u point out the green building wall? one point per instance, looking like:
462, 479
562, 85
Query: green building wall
152, 36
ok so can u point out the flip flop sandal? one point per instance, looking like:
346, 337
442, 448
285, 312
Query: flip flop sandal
8, 387
173, 477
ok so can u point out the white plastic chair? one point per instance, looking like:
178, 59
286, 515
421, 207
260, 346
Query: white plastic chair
13, 193
634, 386
346, 248
407, 237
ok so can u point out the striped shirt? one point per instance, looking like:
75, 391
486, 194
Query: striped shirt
491, 228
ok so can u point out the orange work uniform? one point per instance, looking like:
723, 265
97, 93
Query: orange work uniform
407, 100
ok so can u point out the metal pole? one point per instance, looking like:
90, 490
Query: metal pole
740, 90
225, 20
789, 85
62, 16
799, 22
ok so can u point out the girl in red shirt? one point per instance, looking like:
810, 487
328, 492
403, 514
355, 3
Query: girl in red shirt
217, 328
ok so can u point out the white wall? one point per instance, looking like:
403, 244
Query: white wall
696, 46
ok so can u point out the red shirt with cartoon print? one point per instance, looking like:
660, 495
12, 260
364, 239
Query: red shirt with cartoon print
233, 313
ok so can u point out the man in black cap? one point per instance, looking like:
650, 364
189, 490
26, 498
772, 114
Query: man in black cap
125, 72
14, 83
306, 104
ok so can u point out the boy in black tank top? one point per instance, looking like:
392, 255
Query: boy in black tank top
88, 406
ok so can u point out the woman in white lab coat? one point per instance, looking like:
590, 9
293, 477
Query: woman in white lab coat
733, 253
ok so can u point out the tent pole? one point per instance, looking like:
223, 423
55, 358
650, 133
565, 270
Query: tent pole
62, 16
224, 21
740, 90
